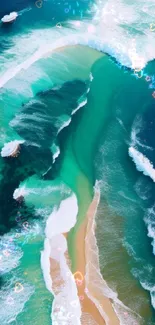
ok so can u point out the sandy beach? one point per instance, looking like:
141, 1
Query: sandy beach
86, 255
96, 308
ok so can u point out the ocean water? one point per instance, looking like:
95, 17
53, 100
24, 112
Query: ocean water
69, 90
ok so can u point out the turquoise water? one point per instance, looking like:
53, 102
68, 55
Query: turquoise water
126, 196
77, 128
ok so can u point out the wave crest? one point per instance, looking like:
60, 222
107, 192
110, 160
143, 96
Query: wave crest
142, 163
57, 274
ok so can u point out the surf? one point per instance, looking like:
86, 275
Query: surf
142, 163
99, 287
66, 304
37, 50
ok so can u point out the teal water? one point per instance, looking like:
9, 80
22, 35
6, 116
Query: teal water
66, 150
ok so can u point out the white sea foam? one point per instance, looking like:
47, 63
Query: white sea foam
10, 147
47, 171
150, 222
142, 163
151, 289
140, 274
62, 220
151, 234
115, 19
93, 271
43, 195
11, 17
150, 215
20, 192
56, 152
109, 39
63, 121
136, 128
66, 304
10, 253
81, 104
12, 301
30, 230
91, 76
23, 11
36, 39
37, 117
121, 193
121, 123
24, 191
45, 264
107, 36
131, 251
142, 190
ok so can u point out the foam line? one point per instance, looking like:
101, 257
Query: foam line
142, 163
100, 285
57, 275
83, 103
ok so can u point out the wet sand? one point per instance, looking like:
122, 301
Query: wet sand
85, 257
86, 289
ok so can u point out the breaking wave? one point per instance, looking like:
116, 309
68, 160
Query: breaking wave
56, 152
15, 291
12, 300
11, 253
136, 128
103, 32
150, 222
142, 163
57, 274
151, 289
81, 104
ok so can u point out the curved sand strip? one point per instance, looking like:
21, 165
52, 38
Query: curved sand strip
101, 309
96, 308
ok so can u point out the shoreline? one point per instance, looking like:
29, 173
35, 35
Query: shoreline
94, 303
95, 307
